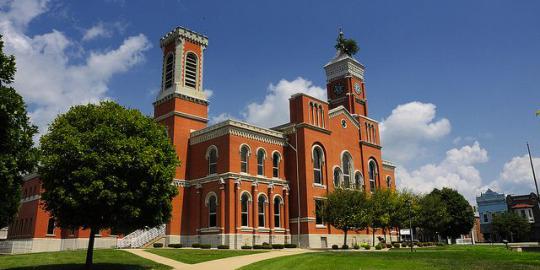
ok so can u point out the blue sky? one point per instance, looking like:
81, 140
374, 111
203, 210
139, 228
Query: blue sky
455, 83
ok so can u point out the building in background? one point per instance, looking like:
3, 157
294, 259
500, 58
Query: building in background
490, 203
527, 207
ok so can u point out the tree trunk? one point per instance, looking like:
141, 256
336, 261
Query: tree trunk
373, 233
384, 232
90, 250
390, 235
345, 238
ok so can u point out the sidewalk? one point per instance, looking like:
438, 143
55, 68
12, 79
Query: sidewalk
230, 263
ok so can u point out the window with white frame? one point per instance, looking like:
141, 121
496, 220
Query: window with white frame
190, 70
262, 213
347, 169
275, 164
212, 160
372, 175
260, 161
358, 180
244, 205
317, 165
337, 177
318, 212
244, 159
277, 212
169, 71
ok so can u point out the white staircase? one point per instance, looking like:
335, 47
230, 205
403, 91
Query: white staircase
141, 237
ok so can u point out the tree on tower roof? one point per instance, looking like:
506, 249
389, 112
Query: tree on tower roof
345, 45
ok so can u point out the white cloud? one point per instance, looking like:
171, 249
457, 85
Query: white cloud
46, 77
209, 93
456, 171
518, 170
405, 132
96, 31
274, 109
221, 117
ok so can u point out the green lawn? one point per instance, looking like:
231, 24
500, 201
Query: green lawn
104, 259
193, 256
451, 258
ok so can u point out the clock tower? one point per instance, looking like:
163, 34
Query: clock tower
345, 83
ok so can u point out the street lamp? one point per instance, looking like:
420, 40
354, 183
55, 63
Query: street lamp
297, 183
410, 223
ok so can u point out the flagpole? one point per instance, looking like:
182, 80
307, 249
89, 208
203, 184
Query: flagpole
532, 167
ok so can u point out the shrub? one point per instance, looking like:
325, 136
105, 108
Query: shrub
440, 244
195, 245
420, 244
335, 247
158, 245
257, 246
345, 247
246, 247
277, 246
223, 247
266, 246
175, 245
396, 245
379, 246
356, 246
388, 245
367, 247
205, 246
290, 245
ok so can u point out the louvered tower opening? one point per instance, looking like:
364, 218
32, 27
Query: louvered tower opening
191, 70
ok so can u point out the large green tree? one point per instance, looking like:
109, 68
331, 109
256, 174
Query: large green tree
404, 209
346, 210
380, 206
511, 226
107, 167
17, 154
432, 215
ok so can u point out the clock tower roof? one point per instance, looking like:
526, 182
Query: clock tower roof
343, 64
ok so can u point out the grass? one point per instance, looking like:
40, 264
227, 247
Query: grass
104, 259
448, 258
193, 256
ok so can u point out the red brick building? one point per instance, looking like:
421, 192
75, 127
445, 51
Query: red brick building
241, 184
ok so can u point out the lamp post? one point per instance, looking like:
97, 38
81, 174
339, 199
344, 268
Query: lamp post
410, 224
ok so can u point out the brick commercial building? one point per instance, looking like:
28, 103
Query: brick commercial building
241, 184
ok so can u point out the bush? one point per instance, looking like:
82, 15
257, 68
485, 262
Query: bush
345, 247
290, 245
266, 246
395, 245
205, 246
223, 247
277, 246
158, 245
175, 245
195, 245
335, 247
440, 244
388, 245
379, 246
420, 244
246, 247
257, 246
367, 247
356, 246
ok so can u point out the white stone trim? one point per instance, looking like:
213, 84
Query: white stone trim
341, 110
182, 114
207, 198
237, 128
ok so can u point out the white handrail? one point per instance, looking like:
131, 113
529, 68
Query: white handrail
140, 237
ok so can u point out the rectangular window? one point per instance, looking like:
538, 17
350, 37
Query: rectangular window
372, 185
260, 169
50, 226
245, 214
317, 175
318, 208
261, 214
243, 166
485, 217
212, 168
213, 220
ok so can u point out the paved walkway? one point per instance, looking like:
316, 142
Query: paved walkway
230, 263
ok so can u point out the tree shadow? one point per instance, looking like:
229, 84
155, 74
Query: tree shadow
74, 266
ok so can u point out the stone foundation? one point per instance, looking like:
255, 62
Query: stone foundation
234, 241
32, 245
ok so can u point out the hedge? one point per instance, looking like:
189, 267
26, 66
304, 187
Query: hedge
158, 245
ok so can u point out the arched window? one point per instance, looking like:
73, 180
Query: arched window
277, 212
244, 158
262, 203
347, 170
260, 161
169, 70
372, 175
212, 211
337, 177
244, 205
358, 180
212, 160
275, 164
317, 165
388, 181
190, 73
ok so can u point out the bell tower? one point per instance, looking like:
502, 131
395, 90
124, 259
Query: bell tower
181, 106
345, 82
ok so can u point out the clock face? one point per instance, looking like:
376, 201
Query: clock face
357, 88
338, 89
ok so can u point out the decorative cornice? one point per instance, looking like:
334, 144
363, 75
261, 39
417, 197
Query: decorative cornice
181, 32
367, 118
343, 66
370, 144
388, 164
312, 127
186, 115
237, 178
180, 183
306, 95
237, 128
173, 95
